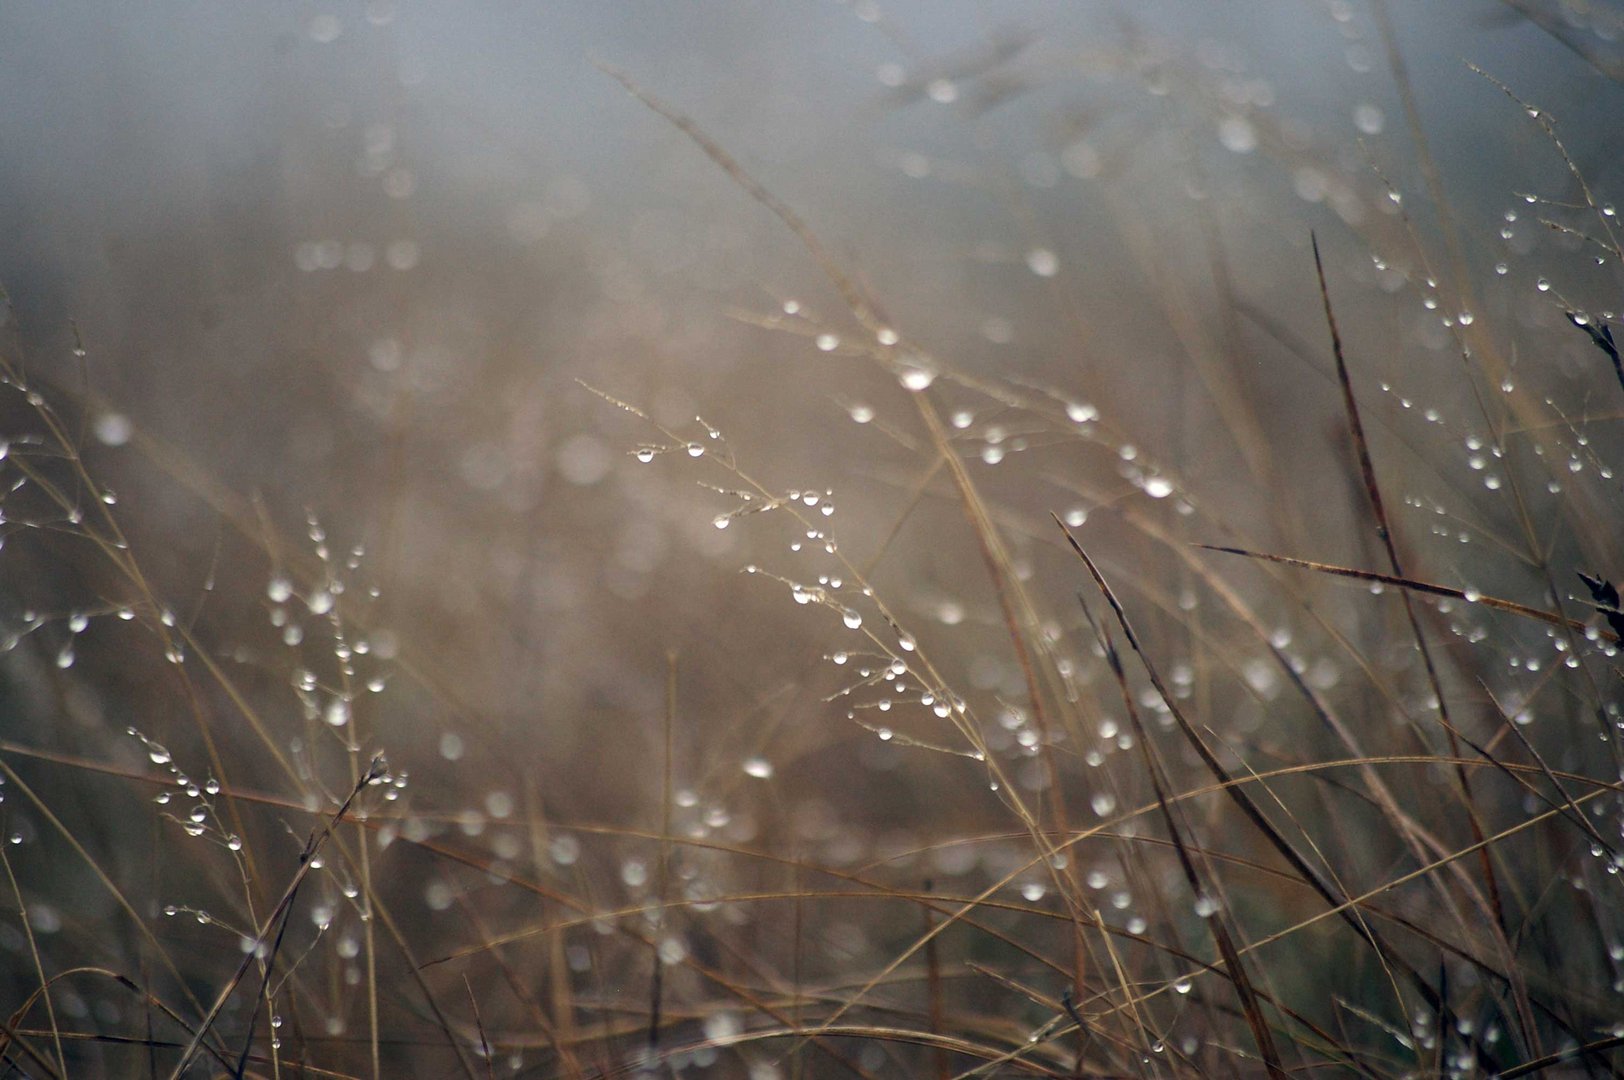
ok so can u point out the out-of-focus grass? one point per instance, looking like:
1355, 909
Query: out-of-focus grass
1170, 676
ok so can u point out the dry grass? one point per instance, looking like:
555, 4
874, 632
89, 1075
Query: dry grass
1121, 733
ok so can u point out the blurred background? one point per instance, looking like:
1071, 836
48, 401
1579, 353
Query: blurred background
331, 294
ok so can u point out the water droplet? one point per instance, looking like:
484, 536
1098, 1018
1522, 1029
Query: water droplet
565, 849
758, 767
827, 342
915, 376
1369, 119
1237, 135
1043, 262
338, 712
851, 618
645, 454
113, 429
1158, 487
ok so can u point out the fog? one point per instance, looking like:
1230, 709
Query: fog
407, 326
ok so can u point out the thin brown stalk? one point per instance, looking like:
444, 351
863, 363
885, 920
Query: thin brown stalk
1384, 531
1417, 586
1342, 906
276, 920
1217, 921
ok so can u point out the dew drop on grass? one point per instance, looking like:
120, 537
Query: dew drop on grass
564, 849
1081, 412
113, 429
758, 767
851, 618
673, 951
862, 414
645, 455
722, 1025
1205, 906
827, 342
1158, 487
695, 450
915, 376
722, 521
1043, 262
1237, 135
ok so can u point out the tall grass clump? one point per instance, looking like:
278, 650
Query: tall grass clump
1150, 606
